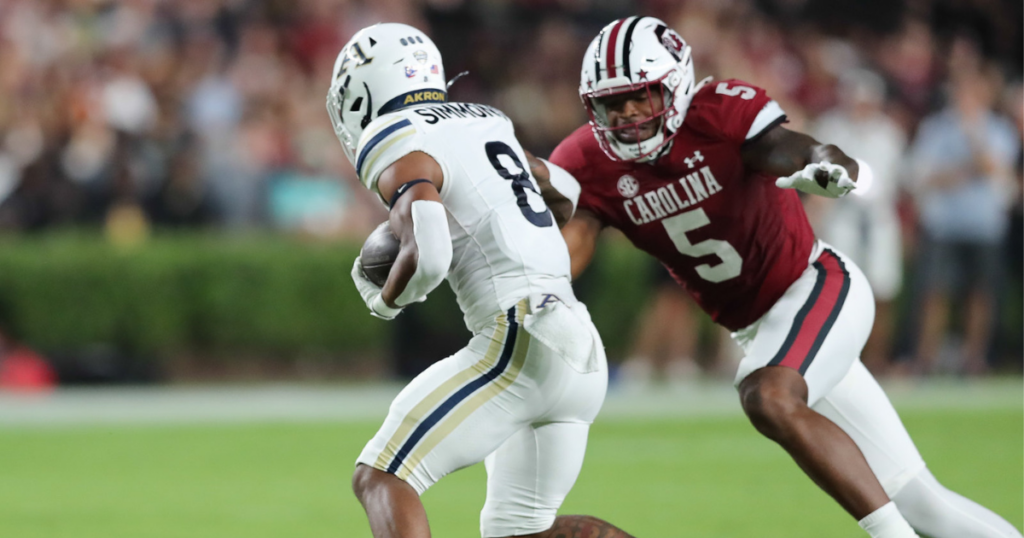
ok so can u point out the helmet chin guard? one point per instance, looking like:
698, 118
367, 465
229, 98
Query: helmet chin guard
609, 136
631, 54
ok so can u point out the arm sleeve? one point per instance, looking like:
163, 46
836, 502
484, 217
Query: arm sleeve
434, 251
564, 183
734, 110
569, 156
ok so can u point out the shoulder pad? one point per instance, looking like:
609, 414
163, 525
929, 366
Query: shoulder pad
730, 108
386, 140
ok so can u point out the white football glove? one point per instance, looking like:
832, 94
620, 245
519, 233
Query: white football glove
371, 294
837, 184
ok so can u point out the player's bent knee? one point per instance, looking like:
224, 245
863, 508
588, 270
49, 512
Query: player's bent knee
362, 480
771, 397
770, 410
366, 480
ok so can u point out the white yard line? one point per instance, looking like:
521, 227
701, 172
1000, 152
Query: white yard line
369, 402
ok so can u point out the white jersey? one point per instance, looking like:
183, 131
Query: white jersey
506, 244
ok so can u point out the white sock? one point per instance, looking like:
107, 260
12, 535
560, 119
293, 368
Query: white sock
887, 522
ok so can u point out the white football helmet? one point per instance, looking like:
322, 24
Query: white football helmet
632, 54
383, 68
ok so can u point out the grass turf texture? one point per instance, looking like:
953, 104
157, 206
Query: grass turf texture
701, 478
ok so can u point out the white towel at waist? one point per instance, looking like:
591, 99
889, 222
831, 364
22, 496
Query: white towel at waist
567, 330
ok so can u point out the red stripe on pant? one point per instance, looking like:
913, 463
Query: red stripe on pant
816, 317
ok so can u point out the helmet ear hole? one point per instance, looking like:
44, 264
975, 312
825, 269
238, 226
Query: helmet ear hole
356, 105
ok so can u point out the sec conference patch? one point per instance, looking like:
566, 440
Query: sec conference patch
628, 186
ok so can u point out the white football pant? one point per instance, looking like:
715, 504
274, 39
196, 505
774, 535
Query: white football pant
506, 399
819, 328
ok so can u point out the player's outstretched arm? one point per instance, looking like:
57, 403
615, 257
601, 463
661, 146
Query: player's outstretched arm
801, 162
419, 220
781, 152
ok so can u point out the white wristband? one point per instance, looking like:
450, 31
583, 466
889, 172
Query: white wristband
380, 309
865, 178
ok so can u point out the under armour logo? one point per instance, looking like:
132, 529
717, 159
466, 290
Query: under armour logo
692, 161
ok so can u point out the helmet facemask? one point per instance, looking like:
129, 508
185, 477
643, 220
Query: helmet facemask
608, 136
335, 103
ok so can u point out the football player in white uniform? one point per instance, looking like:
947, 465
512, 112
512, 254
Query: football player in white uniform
522, 394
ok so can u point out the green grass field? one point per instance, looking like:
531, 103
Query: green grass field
699, 477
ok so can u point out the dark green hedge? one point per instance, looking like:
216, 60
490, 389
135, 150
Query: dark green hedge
235, 295
184, 293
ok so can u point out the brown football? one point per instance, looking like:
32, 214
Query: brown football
379, 253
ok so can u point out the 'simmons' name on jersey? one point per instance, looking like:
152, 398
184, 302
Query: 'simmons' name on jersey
664, 201
436, 113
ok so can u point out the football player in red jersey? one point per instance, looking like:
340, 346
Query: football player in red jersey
691, 174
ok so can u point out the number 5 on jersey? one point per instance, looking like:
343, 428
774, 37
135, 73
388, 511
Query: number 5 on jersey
731, 264
745, 92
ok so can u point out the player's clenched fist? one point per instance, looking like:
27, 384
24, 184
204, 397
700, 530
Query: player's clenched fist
371, 294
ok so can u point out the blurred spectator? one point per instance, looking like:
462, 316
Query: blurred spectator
670, 343
138, 113
964, 157
908, 60
103, 92
866, 228
665, 344
134, 115
1013, 325
182, 201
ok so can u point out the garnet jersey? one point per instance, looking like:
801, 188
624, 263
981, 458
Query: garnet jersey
728, 235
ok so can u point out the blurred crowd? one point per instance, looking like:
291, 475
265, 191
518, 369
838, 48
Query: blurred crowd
131, 115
